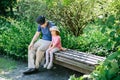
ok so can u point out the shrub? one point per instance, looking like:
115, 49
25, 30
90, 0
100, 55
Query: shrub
75, 16
15, 37
93, 40
5, 5
108, 70
21, 32
31, 9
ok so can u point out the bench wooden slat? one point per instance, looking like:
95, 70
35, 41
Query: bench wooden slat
78, 64
84, 54
72, 67
80, 57
83, 57
78, 53
77, 59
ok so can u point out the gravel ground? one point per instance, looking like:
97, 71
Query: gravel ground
56, 73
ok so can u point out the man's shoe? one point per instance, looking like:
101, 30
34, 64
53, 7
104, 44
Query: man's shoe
31, 71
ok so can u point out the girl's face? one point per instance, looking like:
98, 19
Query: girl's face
53, 32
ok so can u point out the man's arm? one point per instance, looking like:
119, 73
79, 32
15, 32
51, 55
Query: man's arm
34, 39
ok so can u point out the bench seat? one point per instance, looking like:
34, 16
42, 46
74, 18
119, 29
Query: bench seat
78, 61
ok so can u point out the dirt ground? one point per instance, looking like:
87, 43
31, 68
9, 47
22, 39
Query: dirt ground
56, 73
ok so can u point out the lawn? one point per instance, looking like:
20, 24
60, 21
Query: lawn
6, 66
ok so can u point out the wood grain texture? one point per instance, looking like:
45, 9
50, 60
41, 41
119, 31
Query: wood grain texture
78, 61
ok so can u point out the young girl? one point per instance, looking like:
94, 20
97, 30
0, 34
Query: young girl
54, 47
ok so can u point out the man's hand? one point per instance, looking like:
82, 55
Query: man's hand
30, 46
33, 40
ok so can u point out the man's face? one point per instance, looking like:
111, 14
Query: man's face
44, 25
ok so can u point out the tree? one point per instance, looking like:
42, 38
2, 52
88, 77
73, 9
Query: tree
74, 16
7, 4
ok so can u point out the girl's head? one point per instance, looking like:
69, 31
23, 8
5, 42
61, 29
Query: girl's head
54, 31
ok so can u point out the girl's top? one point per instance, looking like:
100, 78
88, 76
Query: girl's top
56, 40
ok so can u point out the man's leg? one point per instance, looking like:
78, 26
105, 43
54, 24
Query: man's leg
40, 52
32, 53
31, 58
39, 56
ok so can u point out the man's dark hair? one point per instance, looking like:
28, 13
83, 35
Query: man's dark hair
40, 20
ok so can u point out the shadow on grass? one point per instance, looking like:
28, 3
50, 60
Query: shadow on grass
6, 66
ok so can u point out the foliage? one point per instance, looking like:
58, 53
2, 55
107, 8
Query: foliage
110, 26
15, 37
21, 32
108, 70
92, 40
74, 15
31, 9
7, 4
85, 25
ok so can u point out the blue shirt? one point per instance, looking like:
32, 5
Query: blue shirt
46, 34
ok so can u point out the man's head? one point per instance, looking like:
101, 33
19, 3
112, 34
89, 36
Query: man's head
41, 20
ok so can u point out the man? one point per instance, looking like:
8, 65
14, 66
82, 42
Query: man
37, 49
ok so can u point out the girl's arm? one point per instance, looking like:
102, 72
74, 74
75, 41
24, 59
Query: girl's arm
53, 46
50, 45
56, 42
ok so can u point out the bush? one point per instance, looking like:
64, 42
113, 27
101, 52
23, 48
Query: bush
74, 15
31, 9
108, 70
15, 37
21, 32
93, 40
7, 5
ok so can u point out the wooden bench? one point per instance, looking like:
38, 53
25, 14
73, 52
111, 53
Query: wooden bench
78, 61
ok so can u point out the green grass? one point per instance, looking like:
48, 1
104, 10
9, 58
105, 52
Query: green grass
6, 65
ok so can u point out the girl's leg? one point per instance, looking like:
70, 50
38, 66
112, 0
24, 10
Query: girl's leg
47, 58
51, 57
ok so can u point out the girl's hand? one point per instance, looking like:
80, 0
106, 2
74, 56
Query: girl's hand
49, 46
63, 49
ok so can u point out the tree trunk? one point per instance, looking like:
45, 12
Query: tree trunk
2, 11
11, 10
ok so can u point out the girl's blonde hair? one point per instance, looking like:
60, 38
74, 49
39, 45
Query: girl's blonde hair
57, 33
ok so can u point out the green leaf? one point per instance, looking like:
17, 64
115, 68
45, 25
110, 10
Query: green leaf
112, 33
